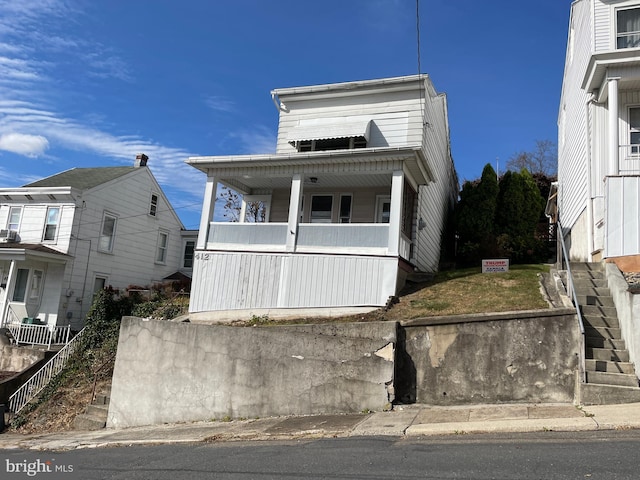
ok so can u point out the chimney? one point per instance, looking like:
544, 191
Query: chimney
141, 160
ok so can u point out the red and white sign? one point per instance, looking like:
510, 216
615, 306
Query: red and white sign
495, 266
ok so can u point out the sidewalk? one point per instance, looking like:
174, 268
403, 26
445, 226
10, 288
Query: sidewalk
408, 421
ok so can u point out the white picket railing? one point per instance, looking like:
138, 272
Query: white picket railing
45, 335
42, 377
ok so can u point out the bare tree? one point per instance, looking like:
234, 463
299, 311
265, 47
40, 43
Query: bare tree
542, 160
255, 212
232, 204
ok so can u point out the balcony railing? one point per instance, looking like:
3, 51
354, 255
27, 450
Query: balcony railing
629, 160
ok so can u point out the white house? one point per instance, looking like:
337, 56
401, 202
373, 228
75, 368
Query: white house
355, 197
64, 237
599, 131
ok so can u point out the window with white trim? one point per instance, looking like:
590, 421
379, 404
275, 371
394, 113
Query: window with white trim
153, 206
187, 259
20, 288
99, 283
628, 28
345, 208
634, 130
15, 214
36, 284
107, 233
51, 224
161, 250
321, 208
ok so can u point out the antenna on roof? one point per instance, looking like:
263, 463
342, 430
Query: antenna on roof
425, 123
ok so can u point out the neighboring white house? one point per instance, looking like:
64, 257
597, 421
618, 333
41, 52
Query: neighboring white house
64, 237
599, 131
355, 197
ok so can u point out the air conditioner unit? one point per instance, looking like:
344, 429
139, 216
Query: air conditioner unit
7, 236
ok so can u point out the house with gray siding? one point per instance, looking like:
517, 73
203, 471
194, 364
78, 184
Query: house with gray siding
64, 237
599, 132
354, 199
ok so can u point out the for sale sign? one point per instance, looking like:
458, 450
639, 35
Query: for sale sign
498, 265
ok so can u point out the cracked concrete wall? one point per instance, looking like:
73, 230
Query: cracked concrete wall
180, 372
513, 357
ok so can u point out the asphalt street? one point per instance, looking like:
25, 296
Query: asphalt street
546, 455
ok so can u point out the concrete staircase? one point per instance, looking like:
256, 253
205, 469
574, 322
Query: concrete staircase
95, 416
610, 377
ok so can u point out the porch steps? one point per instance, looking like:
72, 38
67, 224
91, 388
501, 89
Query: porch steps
95, 415
610, 377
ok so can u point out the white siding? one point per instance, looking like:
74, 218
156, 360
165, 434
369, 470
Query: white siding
395, 117
132, 260
435, 200
228, 281
623, 225
33, 220
572, 141
602, 25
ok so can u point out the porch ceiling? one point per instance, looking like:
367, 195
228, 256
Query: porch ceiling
322, 180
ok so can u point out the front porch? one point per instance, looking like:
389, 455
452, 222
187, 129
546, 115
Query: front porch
339, 232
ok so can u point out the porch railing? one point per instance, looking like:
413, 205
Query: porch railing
629, 160
571, 291
311, 237
42, 335
42, 377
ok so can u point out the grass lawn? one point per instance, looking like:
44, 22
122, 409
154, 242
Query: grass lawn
451, 292
456, 292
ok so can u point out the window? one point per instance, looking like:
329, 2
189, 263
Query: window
345, 208
161, 251
99, 283
189, 247
51, 224
36, 284
107, 233
628, 28
153, 207
20, 290
345, 143
321, 207
383, 208
634, 130
15, 213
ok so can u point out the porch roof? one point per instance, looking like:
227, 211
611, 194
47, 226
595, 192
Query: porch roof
260, 171
24, 251
609, 63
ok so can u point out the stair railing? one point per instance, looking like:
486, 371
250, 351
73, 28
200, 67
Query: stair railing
42, 377
571, 292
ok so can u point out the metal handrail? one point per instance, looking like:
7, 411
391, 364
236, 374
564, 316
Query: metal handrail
42, 377
571, 291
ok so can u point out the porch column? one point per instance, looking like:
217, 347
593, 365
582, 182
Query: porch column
208, 206
294, 211
395, 214
11, 280
614, 136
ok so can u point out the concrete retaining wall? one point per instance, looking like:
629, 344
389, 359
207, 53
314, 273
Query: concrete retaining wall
628, 309
22, 360
513, 357
176, 372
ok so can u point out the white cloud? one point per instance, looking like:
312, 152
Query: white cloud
258, 140
23, 144
220, 104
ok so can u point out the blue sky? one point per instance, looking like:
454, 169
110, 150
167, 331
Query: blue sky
87, 83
